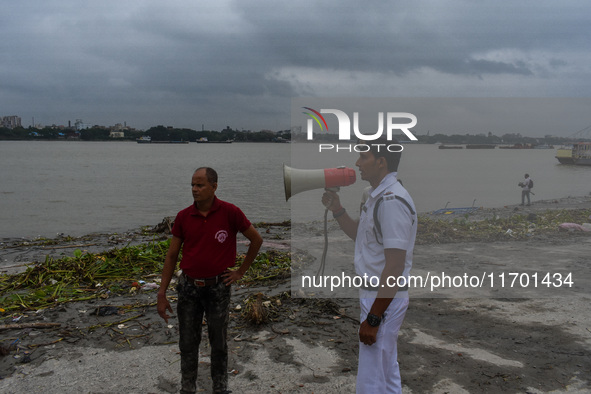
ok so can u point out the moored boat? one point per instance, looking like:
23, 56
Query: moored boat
204, 140
144, 139
579, 154
170, 142
516, 146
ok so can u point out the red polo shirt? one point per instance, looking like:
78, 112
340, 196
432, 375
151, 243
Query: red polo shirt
209, 243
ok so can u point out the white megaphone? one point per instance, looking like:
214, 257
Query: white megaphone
296, 181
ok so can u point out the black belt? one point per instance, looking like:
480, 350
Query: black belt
202, 282
376, 288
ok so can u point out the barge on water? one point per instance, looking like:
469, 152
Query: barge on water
578, 154
146, 139
204, 140
480, 146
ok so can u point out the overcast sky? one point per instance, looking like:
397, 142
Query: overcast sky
239, 63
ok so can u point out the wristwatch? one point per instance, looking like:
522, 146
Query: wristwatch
373, 320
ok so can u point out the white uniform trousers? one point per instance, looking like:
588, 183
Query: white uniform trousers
378, 371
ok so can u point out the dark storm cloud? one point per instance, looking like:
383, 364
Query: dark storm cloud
402, 36
237, 63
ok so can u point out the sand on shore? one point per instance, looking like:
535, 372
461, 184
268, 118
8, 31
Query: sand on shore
536, 341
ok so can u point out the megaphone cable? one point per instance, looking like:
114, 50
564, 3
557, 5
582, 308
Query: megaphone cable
323, 260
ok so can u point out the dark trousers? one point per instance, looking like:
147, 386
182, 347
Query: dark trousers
193, 302
524, 194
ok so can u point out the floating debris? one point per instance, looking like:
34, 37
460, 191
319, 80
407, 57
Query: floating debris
256, 312
86, 276
516, 227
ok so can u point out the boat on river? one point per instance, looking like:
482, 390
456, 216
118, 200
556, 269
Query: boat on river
204, 140
579, 154
516, 146
144, 139
480, 146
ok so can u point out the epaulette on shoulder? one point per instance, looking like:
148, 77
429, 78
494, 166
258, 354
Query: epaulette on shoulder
377, 230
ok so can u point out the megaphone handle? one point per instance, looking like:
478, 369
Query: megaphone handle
331, 189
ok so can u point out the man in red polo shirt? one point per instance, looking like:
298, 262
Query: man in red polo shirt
207, 232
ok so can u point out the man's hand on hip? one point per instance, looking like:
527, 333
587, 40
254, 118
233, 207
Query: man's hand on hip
232, 276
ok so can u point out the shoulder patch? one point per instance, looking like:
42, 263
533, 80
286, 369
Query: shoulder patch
407, 204
377, 230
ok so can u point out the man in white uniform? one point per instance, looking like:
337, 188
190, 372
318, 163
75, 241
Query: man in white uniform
384, 239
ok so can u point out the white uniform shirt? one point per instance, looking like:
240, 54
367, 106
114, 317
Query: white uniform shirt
399, 229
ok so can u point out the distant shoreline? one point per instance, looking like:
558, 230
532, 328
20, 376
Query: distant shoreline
481, 213
569, 202
16, 251
135, 142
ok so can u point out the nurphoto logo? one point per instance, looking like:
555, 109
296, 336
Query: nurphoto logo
392, 120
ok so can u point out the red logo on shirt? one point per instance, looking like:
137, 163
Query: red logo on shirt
221, 236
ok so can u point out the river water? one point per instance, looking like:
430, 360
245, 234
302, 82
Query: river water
75, 187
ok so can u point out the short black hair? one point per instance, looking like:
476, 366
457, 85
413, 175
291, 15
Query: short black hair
210, 173
379, 149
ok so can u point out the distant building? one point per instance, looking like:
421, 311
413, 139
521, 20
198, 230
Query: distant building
117, 134
80, 125
10, 122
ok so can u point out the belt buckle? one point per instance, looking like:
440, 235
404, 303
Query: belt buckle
199, 282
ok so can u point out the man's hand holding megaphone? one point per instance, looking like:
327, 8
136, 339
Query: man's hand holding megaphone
332, 201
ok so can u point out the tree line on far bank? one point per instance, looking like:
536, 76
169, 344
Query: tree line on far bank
164, 133
157, 133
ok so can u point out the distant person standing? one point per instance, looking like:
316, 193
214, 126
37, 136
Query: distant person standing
526, 187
